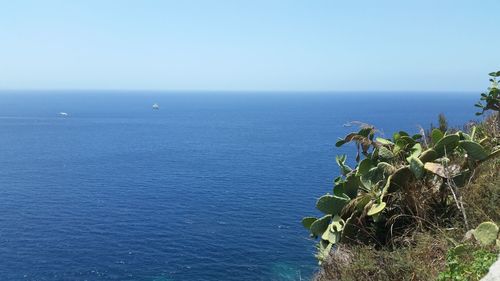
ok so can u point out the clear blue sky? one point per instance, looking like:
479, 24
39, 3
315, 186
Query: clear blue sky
248, 45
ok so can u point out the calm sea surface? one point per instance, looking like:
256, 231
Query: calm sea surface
210, 187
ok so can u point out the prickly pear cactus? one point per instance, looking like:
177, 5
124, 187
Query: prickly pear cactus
446, 144
363, 196
416, 167
331, 204
436, 135
486, 233
428, 155
376, 208
474, 150
319, 226
307, 221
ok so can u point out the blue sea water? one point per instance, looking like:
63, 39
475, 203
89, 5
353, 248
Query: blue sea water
210, 187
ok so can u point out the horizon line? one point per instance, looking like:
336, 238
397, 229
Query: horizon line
260, 91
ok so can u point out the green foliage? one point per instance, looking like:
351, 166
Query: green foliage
344, 169
491, 99
436, 135
416, 166
466, 263
367, 199
446, 144
319, 226
428, 155
474, 149
331, 204
443, 123
376, 208
486, 233
307, 221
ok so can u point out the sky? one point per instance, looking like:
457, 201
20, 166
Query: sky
254, 45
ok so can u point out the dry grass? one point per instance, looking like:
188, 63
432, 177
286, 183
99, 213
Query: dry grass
422, 261
482, 196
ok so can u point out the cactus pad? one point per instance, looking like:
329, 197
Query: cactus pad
319, 226
474, 150
428, 155
331, 204
486, 233
376, 209
436, 135
307, 221
446, 144
416, 167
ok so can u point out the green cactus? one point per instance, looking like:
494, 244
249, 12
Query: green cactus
385, 153
364, 166
319, 226
324, 249
406, 140
384, 141
446, 144
404, 145
344, 169
386, 187
387, 170
416, 167
307, 221
376, 208
368, 179
337, 224
333, 233
416, 150
416, 136
436, 135
362, 201
428, 155
331, 204
486, 233
351, 186
474, 150
399, 134
331, 236
400, 178
464, 136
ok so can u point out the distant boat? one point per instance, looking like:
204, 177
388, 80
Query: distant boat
63, 114
156, 106
347, 125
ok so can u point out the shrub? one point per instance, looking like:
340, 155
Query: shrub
490, 101
408, 187
467, 263
401, 185
443, 123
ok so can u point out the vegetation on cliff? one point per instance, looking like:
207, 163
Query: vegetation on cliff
408, 208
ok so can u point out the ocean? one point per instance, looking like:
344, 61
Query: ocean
212, 186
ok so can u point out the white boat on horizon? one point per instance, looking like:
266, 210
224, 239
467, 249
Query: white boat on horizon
156, 106
63, 114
